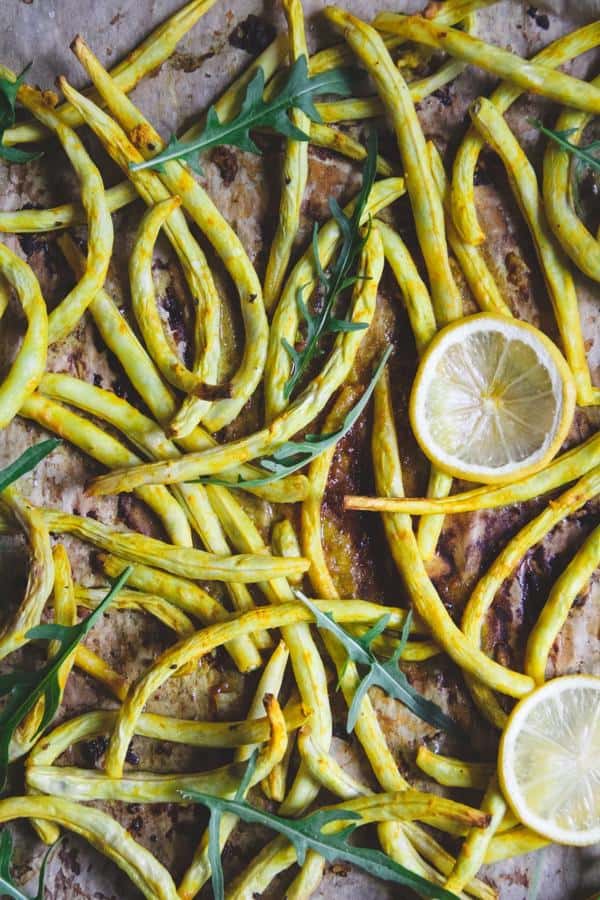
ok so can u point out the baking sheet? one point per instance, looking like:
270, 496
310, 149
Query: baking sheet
203, 65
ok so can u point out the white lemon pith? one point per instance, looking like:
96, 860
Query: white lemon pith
549, 760
493, 399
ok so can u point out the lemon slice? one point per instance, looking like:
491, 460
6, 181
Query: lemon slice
549, 761
492, 400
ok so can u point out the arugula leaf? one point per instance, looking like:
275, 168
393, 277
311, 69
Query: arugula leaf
337, 280
8, 99
25, 688
297, 92
214, 828
583, 154
27, 461
7, 886
294, 455
306, 833
14, 155
386, 675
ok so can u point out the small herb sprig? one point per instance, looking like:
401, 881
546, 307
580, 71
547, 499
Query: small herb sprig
583, 155
25, 687
27, 461
7, 886
306, 833
297, 92
336, 280
386, 675
8, 100
294, 455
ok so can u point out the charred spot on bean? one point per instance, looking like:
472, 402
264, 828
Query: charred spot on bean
226, 162
213, 391
252, 35
32, 243
136, 825
132, 757
94, 749
443, 94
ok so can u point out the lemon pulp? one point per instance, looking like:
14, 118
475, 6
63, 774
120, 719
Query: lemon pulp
550, 760
492, 400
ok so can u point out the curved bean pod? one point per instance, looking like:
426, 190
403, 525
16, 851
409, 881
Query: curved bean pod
149, 186
40, 579
103, 833
451, 772
575, 239
483, 595
304, 275
28, 366
462, 195
566, 588
555, 267
213, 636
178, 179
141, 371
403, 544
307, 405
143, 299
63, 319
425, 201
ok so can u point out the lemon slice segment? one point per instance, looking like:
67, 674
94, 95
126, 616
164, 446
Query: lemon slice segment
492, 400
549, 760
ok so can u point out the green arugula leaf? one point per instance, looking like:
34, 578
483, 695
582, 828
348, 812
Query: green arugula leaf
583, 155
386, 676
294, 455
306, 833
14, 155
214, 852
214, 828
25, 688
8, 100
296, 93
7, 886
337, 280
27, 461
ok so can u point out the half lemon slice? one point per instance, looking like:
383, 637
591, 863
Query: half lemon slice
549, 760
492, 400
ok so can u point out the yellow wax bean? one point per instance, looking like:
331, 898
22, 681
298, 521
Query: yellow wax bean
29, 364
425, 201
530, 76
555, 267
295, 170
104, 833
565, 590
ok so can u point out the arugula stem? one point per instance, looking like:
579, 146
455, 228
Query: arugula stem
340, 277
583, 154
26, 461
